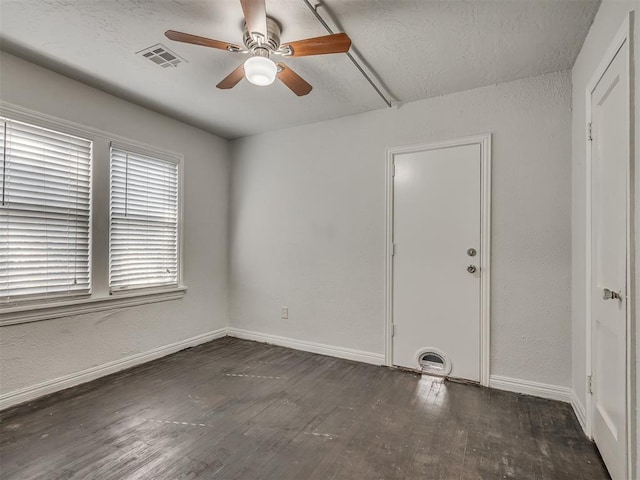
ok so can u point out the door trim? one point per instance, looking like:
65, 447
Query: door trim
485, 243
623, 35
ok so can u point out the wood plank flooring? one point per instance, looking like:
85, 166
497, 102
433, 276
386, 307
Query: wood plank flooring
234, 409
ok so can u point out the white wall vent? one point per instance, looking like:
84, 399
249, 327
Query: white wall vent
162, 56
434, 362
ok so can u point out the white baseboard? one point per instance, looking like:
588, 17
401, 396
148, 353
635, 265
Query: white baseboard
579, 410
34, 391
15, 397
313, 347
544, 390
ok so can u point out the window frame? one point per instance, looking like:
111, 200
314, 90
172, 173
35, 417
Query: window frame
167, 157
22, 311
36, 298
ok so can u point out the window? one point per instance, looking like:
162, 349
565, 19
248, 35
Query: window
143, 221
53, 263
45, 212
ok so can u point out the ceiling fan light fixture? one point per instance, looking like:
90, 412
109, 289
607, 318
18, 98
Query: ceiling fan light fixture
260, 70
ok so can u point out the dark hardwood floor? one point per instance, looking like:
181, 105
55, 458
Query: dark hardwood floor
233, 409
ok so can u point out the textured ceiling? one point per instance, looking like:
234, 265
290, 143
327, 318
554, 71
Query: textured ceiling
417, 48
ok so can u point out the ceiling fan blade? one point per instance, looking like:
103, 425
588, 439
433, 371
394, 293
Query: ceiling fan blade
336, 43
233, 78
255, 16
196, 40
292, 80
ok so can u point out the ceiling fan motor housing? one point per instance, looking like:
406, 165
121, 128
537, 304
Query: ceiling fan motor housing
271, 43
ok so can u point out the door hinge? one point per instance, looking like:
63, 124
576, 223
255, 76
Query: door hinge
393, 169
393, 329
589, 132
590, 384
393, 249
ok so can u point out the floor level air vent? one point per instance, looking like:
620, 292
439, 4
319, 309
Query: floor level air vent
162, 56
434, 362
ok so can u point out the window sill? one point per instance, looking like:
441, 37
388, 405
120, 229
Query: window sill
68, 308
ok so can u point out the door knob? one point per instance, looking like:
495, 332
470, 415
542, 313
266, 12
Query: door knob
471, 252
610, 295
471, 269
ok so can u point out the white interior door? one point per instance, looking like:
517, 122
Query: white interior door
436, 220
609, 174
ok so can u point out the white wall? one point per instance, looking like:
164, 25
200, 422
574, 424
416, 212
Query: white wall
36, 352
606, 24
308, 223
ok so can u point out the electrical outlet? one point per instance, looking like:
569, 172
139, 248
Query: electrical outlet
284, 313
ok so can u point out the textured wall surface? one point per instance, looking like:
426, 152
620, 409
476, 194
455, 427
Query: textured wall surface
605, 26
35, 352
308, 222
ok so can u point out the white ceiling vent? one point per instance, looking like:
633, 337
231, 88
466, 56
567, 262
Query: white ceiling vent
161, 55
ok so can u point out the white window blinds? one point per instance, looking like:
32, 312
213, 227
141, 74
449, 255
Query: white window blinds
144, 221
45, 203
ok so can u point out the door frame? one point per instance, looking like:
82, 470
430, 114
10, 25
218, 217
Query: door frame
484, 257
624, 35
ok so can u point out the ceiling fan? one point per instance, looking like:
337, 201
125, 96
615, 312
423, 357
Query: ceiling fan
262, 40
